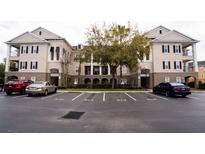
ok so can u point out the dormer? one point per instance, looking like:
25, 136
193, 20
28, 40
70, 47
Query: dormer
156, 32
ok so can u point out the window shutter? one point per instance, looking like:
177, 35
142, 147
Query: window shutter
26, 65
36, 65
21, 65
37, 49
168, 48
32, 49
26, 49
31, 66
162, 48
174, 64
169, 64
22, 50
179, 48
174, 48
163, 64
180, 63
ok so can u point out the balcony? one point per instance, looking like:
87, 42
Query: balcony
14, 54
187, 54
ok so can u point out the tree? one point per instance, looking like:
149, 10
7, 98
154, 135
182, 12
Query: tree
2, 71
117, 45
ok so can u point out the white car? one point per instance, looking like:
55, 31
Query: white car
40, 87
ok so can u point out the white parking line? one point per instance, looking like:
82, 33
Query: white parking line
50, 96
157, 96
18, 96
104, 97
77, 96
131, 97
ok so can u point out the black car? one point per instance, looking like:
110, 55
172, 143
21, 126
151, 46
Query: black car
172, 89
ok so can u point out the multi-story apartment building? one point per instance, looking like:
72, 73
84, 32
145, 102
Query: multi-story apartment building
40, 55
167, 61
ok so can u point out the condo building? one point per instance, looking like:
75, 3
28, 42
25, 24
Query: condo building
43, 55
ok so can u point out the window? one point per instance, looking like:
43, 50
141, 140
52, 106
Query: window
24, 49
57, 53
23, 65
165, 48
177, 65
33, 78
147, 56
178, 79
34, 65
96, 70
22, 78
104, 70
52, 53
124, 69
34, 49
166, 65
177, 48
167, 79
40, 32
87, 70
160, 31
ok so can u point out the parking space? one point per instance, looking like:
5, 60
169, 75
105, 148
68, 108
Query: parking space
103, 112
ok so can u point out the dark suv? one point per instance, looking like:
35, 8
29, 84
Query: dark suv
16, 86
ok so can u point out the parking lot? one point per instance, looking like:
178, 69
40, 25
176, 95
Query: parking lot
102, 112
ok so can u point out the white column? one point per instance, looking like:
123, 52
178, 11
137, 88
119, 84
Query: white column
195, 64
7, 58
100, 70
108, 69
91, 64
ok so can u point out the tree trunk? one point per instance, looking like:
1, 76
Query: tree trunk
113, 76
120, 74
79, 72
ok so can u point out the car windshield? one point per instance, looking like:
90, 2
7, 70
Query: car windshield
177, 84
13, 81
39, 82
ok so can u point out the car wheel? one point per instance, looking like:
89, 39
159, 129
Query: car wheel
167, 93
8, 93
55, 91
46, 92
154, 92
29, 95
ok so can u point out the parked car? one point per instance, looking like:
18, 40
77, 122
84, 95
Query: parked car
40, 87
16, 86
172, 89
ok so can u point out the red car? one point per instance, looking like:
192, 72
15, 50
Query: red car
16, 86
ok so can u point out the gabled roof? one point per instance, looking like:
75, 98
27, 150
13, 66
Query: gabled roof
47, 34
174, 36
159, 27
27, 37
155, 32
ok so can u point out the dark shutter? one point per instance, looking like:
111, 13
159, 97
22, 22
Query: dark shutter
162, 48
26, 49
163, 64
174, 64
180, 63
179, 48
36, 65
37, 49
22, 50
21, 65
174, 48
32, 49
26, 65
169, 65
31, 66
168, 48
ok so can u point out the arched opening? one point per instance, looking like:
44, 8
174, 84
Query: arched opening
190, 81
13, 77
54, 76
104, 81
87, 81
96, 81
